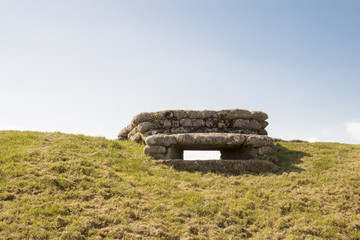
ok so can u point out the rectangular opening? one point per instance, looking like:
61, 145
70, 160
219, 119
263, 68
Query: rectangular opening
201, 155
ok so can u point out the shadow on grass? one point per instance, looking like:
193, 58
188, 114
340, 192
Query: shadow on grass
227, 167
288, 159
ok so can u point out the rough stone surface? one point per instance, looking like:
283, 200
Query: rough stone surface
137, 137
229, 120
238, 134
247, 124
258, 115
185, 139
231, 145
235, 140
123, 134
146, 126
161, 140
264, 124
235, 114
155, 150
262, 132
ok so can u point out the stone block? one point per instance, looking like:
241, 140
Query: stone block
264, 124
137, 137
146, 126
175, 123
161, 139
235, 140
223, 124
124, 132
247, 124
155, 150
258, 115
142, 117
185, 139
213, 139
262, 132
231, 114
195, 114
209, 123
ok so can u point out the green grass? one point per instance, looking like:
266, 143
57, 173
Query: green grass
60, 186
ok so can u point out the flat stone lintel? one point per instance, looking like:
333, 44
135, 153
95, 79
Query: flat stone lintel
209, 141
231, 145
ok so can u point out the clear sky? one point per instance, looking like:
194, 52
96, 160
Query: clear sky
89, 66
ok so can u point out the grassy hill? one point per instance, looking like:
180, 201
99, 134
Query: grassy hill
60, 186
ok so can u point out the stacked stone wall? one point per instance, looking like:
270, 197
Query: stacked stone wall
239, 121
237, 133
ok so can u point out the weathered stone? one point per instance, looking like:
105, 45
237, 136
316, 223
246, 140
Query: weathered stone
185, 139
196, 123
211, 130
210, 139
166, 114
161, 139
124, 132
156, 131
178, 114
133, 131
155, 150
231, 114
222, 124
258, 115
247, 124
152, 132
209, 123
141, 117
210, 114
146, 126
186, 122
258, 141
195, 114
235, 140
199, 123
262, 132
181, 130
165, 123
264, 124
242, 131
175, 123
137, 137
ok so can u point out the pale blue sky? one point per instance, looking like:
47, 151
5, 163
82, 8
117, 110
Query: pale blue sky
90, 66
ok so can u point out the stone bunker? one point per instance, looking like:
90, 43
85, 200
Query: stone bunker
238, 134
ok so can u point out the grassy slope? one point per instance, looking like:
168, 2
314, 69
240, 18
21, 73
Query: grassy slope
58, 186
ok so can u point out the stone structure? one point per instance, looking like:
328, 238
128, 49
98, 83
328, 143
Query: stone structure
238, 134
